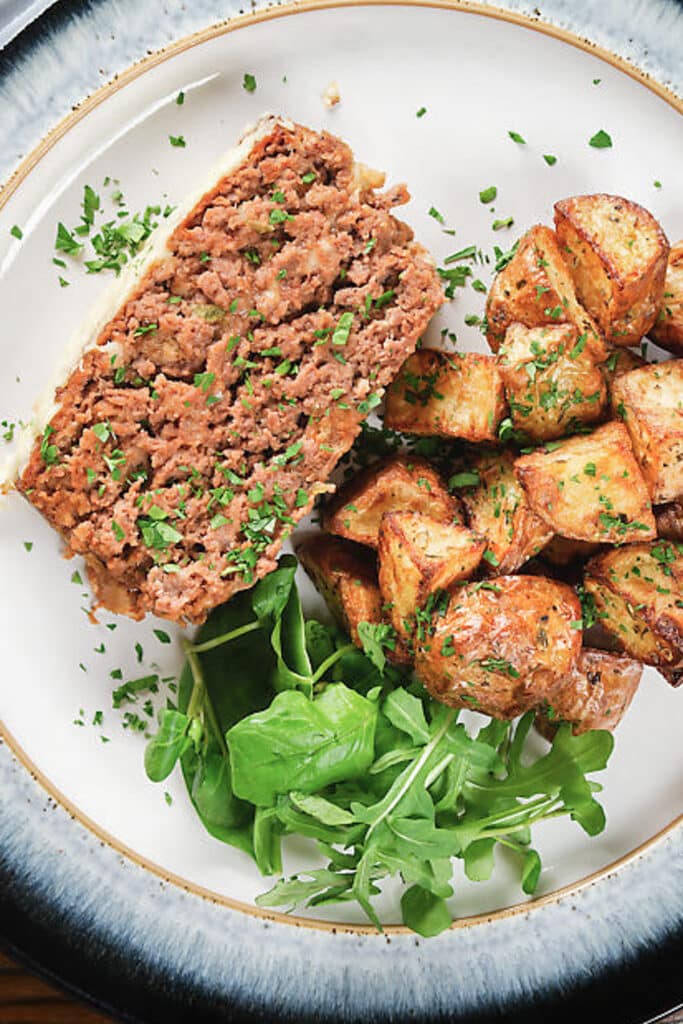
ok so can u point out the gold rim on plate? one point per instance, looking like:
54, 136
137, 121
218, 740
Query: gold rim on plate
21, 173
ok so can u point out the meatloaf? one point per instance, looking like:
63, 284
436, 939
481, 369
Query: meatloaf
208, 412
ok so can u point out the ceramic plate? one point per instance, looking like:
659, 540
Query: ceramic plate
119, 872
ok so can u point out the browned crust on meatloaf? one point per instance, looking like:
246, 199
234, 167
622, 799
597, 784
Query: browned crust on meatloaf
232, 398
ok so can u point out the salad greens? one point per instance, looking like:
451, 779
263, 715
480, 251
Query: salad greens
283, 726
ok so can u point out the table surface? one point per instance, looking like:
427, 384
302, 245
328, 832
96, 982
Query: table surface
26, 999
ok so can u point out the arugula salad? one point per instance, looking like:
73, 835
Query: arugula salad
283, 727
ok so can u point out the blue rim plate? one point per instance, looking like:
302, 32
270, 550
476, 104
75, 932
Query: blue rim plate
140, 941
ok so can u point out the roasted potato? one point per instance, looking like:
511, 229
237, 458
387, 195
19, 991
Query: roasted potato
397, 484
589, 487
619, 362
501, 647
669, 519
498, 510
650, 402
345, 574
447, 395
552, 382
595, 694
617, 255
668, 327
418, 556
536, 289
638, 594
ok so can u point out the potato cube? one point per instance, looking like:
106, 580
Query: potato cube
589, 487
595, 695
650, 402
346, 577
668, 327
497, 509
536, 289
418, 556
447, 395
638, 594
552, 383
398, 484
501, 647
617, 254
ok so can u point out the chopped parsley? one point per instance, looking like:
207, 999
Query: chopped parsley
178, 141
341, 332
487, 195
421, 112
550, 159
249, 83
601, 140
433, 212
16, 232
516, 137
180, 98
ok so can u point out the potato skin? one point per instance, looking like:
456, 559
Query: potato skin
552, 383
504, 649
669, 520
345, 574
668, 327
589, 487
498, 510
595, 695
650, 402
418, 556
619, 362
400, 483
617, 255
447, 395
564, 553
637, 591
536, 289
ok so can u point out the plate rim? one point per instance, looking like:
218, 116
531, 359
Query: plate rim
16, 178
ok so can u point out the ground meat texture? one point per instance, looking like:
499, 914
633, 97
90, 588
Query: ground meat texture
210, 411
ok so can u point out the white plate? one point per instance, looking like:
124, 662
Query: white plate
478, 78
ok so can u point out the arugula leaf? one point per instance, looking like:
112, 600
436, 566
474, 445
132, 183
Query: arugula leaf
424, 912
407, 714
299, 744
167, 746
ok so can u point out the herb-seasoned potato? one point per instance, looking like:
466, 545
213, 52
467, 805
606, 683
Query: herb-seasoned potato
650, 402
617, 254
619, 362
498, 510
346, 576
595, 695
501, 646
639, 599
398, 484
668, 327
536, 289
417, 556
669, 520
552, 382
447, 395
589, 487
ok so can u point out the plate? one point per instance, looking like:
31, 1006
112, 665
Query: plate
115, 859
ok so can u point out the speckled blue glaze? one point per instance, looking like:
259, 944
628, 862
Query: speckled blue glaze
148, 947
225, 956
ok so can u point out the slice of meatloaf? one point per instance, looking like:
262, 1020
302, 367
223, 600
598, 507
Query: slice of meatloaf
203, 419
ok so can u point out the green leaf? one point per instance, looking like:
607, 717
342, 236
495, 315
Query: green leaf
393, 757
531, 871
299, 744
376, 638
321, 809
270, 595
406, 713
320, 641
267, 840
293, 668
425, 913
422, 840
293, 892
478, 858
167, 746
